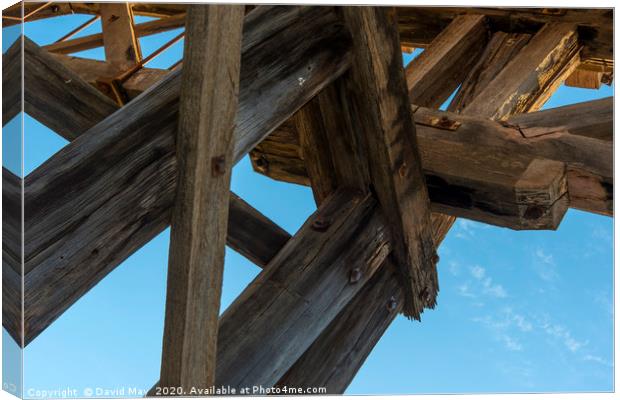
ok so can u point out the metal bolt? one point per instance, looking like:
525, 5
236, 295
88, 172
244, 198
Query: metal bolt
355, 275
402, 170
218, 165
320, 224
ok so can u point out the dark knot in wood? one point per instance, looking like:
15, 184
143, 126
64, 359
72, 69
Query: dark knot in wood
321, 224
218, 165
355, 275
534, 212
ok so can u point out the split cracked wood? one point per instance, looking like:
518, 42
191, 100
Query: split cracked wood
207, 108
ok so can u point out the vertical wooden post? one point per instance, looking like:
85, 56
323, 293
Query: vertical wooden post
208, 105
122, 48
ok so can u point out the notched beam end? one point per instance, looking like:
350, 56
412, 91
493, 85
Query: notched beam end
542, 195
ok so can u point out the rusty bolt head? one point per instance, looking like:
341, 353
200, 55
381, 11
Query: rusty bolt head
402, 170
320, 224
355, 275
218, 166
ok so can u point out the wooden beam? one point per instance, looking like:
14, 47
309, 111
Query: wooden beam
355, 331
207, 109
97, 39
58, 97
92, 71
120, 43
316, 274
585, 79
157, 10
419, 25
500, 50
531, 77
122, 174
386, 127
454, 52
12, 255
12, 88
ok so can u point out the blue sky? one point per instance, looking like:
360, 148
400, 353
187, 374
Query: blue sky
517, 311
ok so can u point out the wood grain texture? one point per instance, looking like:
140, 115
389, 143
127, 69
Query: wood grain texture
120, 43
453, 53
58, 97
419, 25
353, 334
288, 305
92, 71
96, 40
121, 174
208, 104
585, 79
12, 265
500, 50
12, 88
385, 124
530, 78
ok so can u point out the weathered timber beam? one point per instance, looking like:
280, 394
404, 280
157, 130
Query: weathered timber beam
500, 50
57, 96
385, 126
588, 79
207, 108
63, 8
464, 39
582, 136
121, 46
97, 39
548, 58
93, 70
12, 88
12, 254
419, 25
313, 277
354, 332
121, 175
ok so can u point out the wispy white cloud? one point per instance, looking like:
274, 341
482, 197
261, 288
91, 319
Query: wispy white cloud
486, 284
564, 335
597, 360
511, 343
545, 265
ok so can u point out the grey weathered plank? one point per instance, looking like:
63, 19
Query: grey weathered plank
354, 332
12, 255
208, 104
12, 88
385, 126
122, 49
121, 174
58, 97
454, 52
280, 314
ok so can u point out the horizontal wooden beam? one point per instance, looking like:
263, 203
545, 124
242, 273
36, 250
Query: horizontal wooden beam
121, 175
157, 10
96, 40
93, 70
420, 25
577, 135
